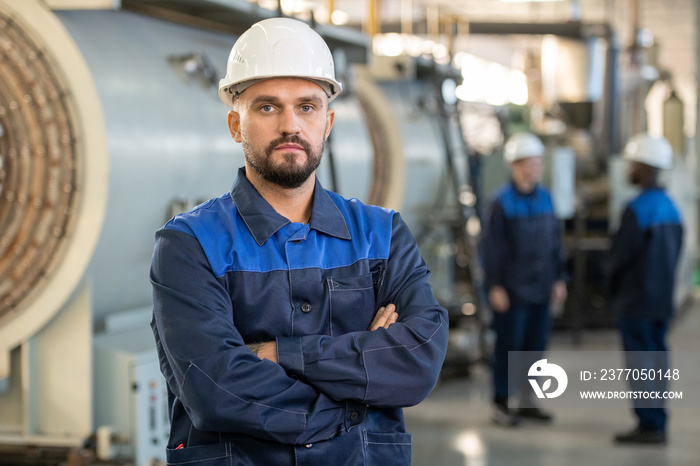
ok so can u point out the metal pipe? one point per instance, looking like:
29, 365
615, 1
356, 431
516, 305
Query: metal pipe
407, 17
373, 18
432, 15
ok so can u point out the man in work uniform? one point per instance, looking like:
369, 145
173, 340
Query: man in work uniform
292, 325
641, 275
525, 271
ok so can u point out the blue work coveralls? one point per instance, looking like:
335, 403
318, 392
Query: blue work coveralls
523, 253
233, 272
641, 272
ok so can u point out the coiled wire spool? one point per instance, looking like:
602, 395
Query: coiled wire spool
39, 166
53, 172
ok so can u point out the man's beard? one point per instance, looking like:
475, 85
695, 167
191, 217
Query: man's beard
288, 174
633, 176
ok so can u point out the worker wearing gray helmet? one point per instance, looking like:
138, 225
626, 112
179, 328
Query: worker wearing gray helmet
292, 324
641, 274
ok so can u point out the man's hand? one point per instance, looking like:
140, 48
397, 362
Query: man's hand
559, 292
264, 350
498, 297
384, 317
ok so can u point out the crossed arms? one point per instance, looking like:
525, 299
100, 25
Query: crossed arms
384, 317
296, 389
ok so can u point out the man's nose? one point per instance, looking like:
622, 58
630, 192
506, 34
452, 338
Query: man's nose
289, 122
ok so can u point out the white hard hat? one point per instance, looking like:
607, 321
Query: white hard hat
521, 146
649, 150
278, 47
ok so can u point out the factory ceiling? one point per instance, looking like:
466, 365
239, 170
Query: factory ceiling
235, 16
407, 16
421, 17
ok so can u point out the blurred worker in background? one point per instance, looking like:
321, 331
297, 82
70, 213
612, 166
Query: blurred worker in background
525, 272
292, 324
641, 275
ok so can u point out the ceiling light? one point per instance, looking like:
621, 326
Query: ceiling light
388, 45
339, 17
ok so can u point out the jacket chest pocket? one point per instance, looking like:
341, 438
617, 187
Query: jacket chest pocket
351, 303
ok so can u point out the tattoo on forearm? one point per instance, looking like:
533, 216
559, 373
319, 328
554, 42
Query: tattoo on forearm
255, 347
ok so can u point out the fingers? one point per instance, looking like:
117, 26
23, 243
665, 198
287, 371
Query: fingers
380, 318
384, 317
498, 297
393, 316
559, 292
563, 293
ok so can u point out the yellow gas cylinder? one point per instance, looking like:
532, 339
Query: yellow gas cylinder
673, 122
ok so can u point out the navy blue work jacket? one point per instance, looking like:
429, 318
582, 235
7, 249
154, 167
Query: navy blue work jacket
643, 257
232, 272
522, 246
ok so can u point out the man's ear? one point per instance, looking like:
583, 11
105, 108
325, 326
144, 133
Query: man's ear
330, 118
234, 125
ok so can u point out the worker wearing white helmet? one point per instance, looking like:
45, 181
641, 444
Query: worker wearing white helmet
652, 151
525, 272
522, 146
292, 324
641, 275
276, 48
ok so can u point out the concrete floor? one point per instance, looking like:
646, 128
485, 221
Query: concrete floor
453, 426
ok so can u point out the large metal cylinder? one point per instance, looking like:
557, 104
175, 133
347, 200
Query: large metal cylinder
110, 123
53, 170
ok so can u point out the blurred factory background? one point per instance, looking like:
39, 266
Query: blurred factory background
110, 123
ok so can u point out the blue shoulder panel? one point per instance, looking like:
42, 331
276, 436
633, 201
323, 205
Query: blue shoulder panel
370, 228
653, 207
229, 245
518, 205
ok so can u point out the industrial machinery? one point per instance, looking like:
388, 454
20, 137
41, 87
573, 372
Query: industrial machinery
110, 124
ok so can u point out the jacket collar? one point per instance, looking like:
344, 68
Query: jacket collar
263, 221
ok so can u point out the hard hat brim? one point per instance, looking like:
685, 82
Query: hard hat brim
227, 91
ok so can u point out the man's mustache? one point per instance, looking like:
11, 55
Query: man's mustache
289, 140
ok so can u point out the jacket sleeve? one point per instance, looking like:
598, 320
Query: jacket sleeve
495, 246
626, 243
222, 385
394, 367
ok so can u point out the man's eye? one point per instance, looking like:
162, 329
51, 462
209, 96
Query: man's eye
266, 108
306, 108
